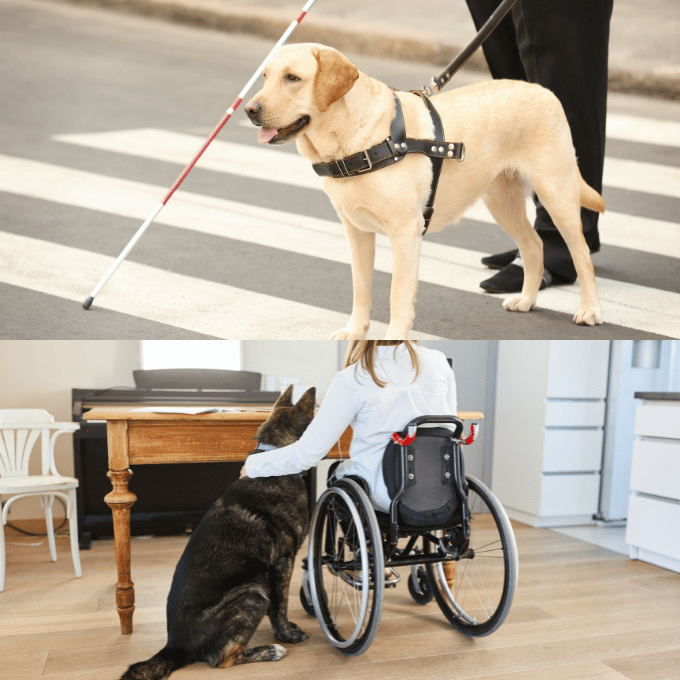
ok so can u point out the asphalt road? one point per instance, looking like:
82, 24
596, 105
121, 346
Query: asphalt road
241, 252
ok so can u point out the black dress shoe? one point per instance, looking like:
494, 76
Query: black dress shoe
510, 280
501, 260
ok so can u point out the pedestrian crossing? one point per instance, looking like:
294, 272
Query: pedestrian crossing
217, 306
268, 164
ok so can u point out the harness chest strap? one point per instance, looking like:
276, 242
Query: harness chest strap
394, 148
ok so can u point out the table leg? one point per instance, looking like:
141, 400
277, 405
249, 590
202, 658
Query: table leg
120, 500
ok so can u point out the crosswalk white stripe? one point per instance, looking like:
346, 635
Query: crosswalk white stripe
619, 229
643, 234
639, 176
275, 165
625, 304
641, 129
173, 299
247, 160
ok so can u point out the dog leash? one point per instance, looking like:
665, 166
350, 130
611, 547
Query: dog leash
395, 147
438, 82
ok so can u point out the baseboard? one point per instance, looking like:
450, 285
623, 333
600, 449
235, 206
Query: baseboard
548, 522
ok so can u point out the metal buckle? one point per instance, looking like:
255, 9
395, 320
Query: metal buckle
370, 165
462, 152
432, 88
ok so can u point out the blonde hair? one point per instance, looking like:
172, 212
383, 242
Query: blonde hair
362, 352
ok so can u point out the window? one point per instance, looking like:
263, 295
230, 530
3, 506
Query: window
224, 354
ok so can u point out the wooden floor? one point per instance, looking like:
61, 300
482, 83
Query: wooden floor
580, 613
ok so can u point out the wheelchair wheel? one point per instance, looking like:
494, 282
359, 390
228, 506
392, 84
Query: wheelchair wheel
419, 586
346, 567
475, 592
305, 596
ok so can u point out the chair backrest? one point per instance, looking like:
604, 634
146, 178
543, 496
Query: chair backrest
19, 431
425, 478
197, 379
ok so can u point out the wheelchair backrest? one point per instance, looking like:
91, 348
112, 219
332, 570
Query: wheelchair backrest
425, 477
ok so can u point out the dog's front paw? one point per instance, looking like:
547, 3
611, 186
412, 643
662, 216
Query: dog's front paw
292, 633
519, 303
588, 316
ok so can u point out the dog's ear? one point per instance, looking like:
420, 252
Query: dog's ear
307, 402
285, 400
335, 77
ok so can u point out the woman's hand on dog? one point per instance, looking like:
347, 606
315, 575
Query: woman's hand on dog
243, 474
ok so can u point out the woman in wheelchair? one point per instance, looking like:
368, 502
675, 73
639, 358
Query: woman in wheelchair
383, 386
406, 504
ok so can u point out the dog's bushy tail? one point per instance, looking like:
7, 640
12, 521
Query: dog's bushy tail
159, 666
589, 197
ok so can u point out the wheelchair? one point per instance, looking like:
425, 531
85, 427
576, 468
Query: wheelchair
448, 527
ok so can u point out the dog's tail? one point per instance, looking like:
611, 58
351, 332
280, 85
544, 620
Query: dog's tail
159, 666
589, 197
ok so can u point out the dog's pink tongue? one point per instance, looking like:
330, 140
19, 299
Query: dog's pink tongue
265, 135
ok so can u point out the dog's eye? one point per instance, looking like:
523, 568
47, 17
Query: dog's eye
291, 78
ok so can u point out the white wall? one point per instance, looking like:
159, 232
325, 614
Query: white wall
474, 365
41, 374
314, 362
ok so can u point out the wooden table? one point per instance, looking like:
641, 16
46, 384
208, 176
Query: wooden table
143, 437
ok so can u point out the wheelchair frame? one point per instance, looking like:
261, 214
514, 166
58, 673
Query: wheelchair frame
350, 545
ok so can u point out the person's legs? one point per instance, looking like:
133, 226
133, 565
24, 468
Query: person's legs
503, 58
562, 45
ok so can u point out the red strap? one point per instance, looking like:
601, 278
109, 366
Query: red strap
472, 435
407, 440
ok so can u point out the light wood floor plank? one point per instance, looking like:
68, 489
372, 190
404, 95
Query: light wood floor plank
658, 666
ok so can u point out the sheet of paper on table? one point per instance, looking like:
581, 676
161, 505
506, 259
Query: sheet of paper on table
187, 410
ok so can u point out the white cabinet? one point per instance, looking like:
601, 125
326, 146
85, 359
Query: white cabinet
548, 429
653, 530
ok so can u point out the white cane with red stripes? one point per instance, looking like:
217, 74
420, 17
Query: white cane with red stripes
237, 102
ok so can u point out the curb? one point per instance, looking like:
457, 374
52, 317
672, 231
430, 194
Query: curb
370, 40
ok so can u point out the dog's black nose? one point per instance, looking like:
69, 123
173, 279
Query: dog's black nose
252, 109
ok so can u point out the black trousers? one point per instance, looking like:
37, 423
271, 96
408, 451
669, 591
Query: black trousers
564, 46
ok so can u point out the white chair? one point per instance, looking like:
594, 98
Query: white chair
20, 429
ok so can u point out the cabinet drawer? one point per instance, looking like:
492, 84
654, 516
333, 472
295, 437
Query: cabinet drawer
658, 420
572, 450
565, 495
656, 468
574, 414
654, 525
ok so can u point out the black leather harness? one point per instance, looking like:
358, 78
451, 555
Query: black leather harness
394, 148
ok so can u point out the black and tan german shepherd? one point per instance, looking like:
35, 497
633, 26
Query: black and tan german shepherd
237, 565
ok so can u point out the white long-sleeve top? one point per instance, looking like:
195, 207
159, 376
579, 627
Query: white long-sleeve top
374, 413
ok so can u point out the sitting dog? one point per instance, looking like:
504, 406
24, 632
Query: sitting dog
516, 138
237, 564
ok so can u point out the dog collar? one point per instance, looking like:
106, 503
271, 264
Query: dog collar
394, 148
264, 447
269, 447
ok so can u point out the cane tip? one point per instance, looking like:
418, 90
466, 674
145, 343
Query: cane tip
88, 303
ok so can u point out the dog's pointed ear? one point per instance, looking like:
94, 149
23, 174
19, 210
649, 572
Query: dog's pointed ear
285, 399
307, 402
335, 77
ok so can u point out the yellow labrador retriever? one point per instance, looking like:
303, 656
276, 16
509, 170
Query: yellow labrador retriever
516, 138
